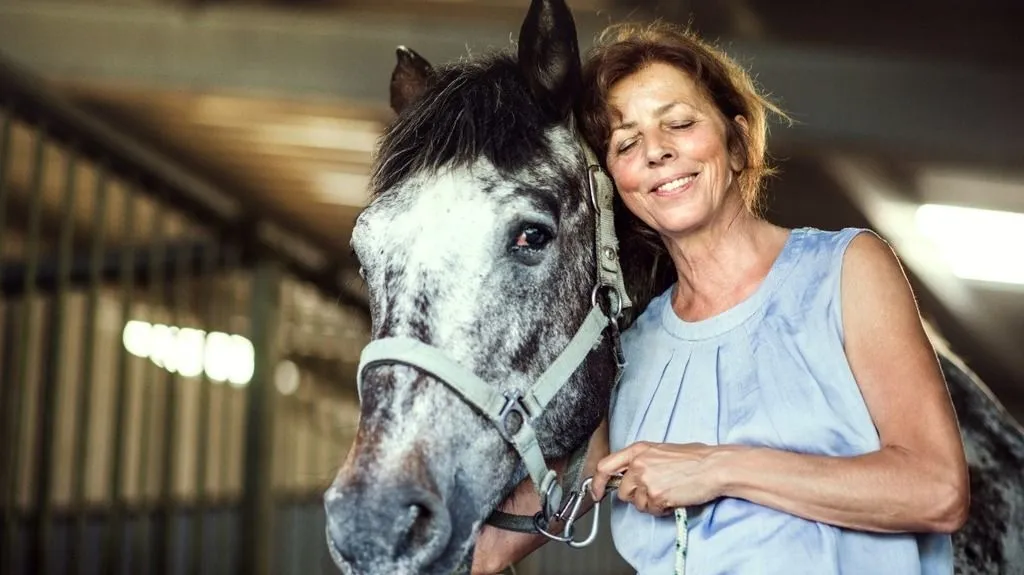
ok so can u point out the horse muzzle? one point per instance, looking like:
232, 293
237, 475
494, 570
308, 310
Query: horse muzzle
377, 529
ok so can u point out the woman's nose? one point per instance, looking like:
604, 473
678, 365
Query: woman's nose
658, 151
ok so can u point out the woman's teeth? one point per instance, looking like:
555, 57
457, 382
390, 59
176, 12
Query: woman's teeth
675, 184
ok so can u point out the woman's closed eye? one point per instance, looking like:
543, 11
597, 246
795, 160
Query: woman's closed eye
682, 125
629, 143
625, 146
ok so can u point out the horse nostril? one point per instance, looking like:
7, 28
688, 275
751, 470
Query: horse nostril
414, 529
422, 526
406, 525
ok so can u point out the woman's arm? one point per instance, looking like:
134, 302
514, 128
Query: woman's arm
496, 549
916, 482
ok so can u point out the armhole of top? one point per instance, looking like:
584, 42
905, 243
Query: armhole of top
839, 260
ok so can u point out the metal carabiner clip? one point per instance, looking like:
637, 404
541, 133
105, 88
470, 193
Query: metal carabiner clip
569, 512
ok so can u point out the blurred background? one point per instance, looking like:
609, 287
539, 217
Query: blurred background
180, 320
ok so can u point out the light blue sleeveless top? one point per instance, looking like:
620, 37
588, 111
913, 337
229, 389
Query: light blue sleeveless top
771, 372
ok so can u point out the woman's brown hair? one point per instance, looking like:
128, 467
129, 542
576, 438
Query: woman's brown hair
624, 49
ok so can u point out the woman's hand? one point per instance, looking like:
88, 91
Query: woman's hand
659, 477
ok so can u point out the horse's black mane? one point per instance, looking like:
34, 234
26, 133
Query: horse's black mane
470, 110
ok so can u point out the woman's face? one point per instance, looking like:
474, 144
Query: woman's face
668, 153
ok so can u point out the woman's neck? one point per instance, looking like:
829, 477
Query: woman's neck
723, 263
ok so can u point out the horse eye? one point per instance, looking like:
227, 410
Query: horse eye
532, 237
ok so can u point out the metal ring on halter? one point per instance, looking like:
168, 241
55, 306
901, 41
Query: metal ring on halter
593, 169
613, 298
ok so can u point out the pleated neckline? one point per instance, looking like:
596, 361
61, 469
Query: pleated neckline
735, 316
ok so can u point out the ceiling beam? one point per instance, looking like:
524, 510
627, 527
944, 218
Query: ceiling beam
841, 100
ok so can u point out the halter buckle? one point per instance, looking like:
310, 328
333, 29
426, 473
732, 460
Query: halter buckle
513, 416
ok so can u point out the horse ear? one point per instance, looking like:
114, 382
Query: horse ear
409, 78
549, 56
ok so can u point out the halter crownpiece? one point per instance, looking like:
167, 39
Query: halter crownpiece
514, 414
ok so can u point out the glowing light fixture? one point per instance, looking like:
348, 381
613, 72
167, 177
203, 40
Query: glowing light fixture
977, 244
287, 377
190, 352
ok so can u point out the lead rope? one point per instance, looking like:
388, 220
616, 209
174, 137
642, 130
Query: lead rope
682, 540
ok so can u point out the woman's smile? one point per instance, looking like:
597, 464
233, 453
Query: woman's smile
675, 186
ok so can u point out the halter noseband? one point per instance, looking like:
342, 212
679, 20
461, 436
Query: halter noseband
514, 414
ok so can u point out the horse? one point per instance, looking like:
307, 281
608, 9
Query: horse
497, 287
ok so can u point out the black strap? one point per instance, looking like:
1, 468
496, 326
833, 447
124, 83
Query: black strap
512, 522
525, 523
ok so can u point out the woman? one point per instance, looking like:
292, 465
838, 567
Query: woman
780, 385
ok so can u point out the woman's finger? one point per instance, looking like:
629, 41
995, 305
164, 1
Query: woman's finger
641, 501
614, 463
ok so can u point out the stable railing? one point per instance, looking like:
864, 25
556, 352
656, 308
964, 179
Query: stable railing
165, 406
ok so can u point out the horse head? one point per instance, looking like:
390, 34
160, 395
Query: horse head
478, 250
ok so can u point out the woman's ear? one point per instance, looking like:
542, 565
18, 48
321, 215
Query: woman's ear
737, 152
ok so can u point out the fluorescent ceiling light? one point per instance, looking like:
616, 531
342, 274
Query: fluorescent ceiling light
977, 244
190, 352
942, 185
287, 377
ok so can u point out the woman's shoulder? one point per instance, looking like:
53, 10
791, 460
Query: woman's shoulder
869, 260
819, 250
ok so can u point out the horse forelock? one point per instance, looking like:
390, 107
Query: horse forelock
472, 110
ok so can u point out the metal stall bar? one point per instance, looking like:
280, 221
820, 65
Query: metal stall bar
175, 293
51, 371
163, 390
7, 473
311, 550
257, 496
19, 391
227, 414
113, 532
207, 311
144, 535
89, 350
